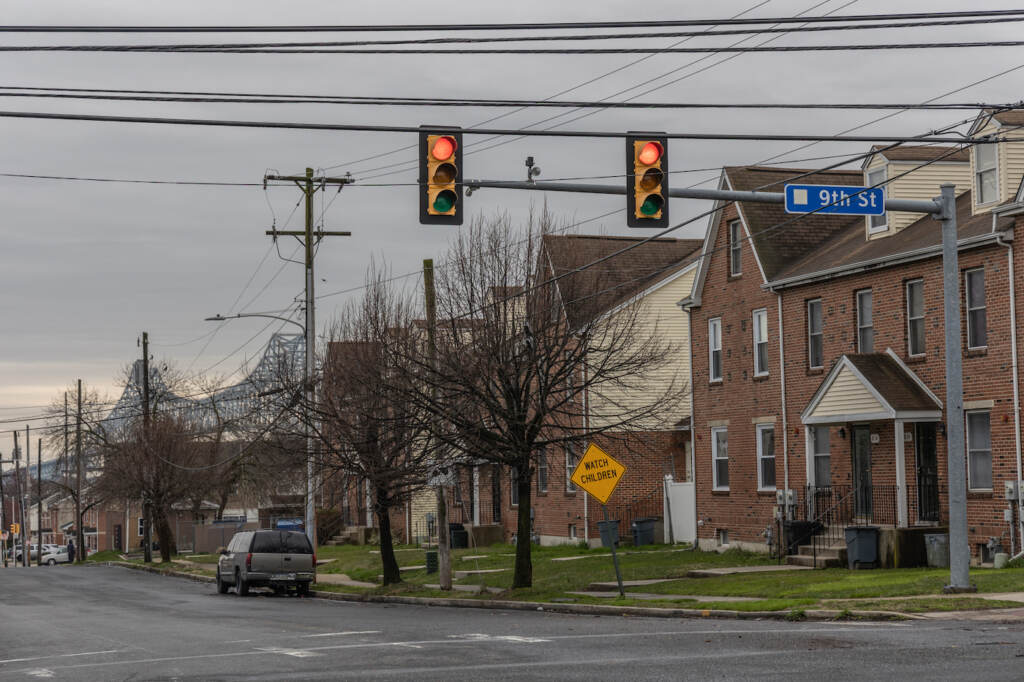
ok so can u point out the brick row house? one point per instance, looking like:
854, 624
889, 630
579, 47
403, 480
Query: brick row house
818, 349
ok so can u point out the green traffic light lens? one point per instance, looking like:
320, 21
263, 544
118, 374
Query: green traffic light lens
444, 201
652, 204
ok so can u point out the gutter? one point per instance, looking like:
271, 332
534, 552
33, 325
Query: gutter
887, 261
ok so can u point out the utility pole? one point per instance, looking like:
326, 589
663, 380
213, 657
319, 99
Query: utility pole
39, 502
147, 519
66, 474
444, 558
309, 186
3, 513
79, 531
20, 514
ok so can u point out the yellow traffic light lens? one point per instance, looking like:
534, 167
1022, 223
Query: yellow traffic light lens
444, 201
650, 153
443, 148
443, 174
652, 205
651, 179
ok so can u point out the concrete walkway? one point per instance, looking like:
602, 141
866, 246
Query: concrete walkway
647, 596
341, 579
613, 585
734, 570
475, 589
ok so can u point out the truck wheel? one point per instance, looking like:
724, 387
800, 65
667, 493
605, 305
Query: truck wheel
302, 589
222, 587
241, 586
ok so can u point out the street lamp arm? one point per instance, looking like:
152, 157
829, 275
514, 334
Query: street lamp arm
221, 318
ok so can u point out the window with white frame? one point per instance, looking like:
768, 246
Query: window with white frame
542, 472
735, 248
986, 180
815, 335
977, 329
915, 317
821, 453
865, 326
760, 342
142, 526
571, 460
715, 349
720, 457
766, 457
979, 451
876, 178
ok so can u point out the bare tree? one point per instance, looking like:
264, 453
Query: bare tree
364, 418
519, 355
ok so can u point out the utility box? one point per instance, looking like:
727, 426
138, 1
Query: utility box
1010, 490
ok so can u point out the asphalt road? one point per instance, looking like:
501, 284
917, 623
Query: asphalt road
106, 623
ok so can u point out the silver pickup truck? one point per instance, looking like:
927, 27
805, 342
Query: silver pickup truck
279, 559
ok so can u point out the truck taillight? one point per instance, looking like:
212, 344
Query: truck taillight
314, 561
248, 561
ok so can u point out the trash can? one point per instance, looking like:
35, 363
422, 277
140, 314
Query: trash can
432, 561
936, 547
609, 533
643, 532
862, 546
799, 533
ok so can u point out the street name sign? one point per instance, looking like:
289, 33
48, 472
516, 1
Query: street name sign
598, 473
835, 199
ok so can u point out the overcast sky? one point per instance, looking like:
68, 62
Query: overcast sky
86, 267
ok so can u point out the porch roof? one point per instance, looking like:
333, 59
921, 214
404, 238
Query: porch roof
871, 386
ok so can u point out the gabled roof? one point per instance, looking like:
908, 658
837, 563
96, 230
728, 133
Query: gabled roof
620, 278
777, 247
871, 386
849, 248
920, 152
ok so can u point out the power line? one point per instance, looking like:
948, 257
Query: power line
170, 47
291, 125
255, 98
520, 51
493, 26
202, 183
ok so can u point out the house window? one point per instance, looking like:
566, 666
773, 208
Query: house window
542, 472
815, 335
915, 317
979, 451
720, 457
986, 182
142, 526
715, 349
571, 460
760, 342
865, 327
977, 331
765, 457
514, 488
735, 248
822, 455
877, 223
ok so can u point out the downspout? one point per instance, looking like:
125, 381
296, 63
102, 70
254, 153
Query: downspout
692, 461
1016, 391
785, 423
586, 429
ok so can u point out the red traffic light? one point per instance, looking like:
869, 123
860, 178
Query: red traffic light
650, 153
444, 147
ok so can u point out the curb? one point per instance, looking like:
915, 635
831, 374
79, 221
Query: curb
574, 609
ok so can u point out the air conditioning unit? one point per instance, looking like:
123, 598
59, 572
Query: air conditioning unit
1010, 490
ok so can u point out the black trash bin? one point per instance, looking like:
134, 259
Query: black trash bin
432, 561
458, 536
799, 533
643, 532
862, 546
609, 533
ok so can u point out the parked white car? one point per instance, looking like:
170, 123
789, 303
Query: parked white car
56, 555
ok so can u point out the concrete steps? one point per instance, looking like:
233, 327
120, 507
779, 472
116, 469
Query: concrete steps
827, 557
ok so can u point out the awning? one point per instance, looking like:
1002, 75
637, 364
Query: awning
868, 387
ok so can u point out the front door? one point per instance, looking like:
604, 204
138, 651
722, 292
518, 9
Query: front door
927, 473
862, 471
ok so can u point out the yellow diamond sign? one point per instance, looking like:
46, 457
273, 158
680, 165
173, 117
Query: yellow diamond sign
598, 473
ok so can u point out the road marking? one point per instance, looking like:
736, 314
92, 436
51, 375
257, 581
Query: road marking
342, 634
40, 672
39, 658
480, 637
297, 653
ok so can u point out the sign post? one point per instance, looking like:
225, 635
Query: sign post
598, 474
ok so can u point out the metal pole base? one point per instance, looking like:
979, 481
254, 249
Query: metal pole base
953, 589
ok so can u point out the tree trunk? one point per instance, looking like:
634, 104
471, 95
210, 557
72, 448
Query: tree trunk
164, 534
387, 550
523, 575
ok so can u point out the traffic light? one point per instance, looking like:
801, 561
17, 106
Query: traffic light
646, 180
16, 528
440, 181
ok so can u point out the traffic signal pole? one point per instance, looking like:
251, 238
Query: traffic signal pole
942, 209
309, 186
